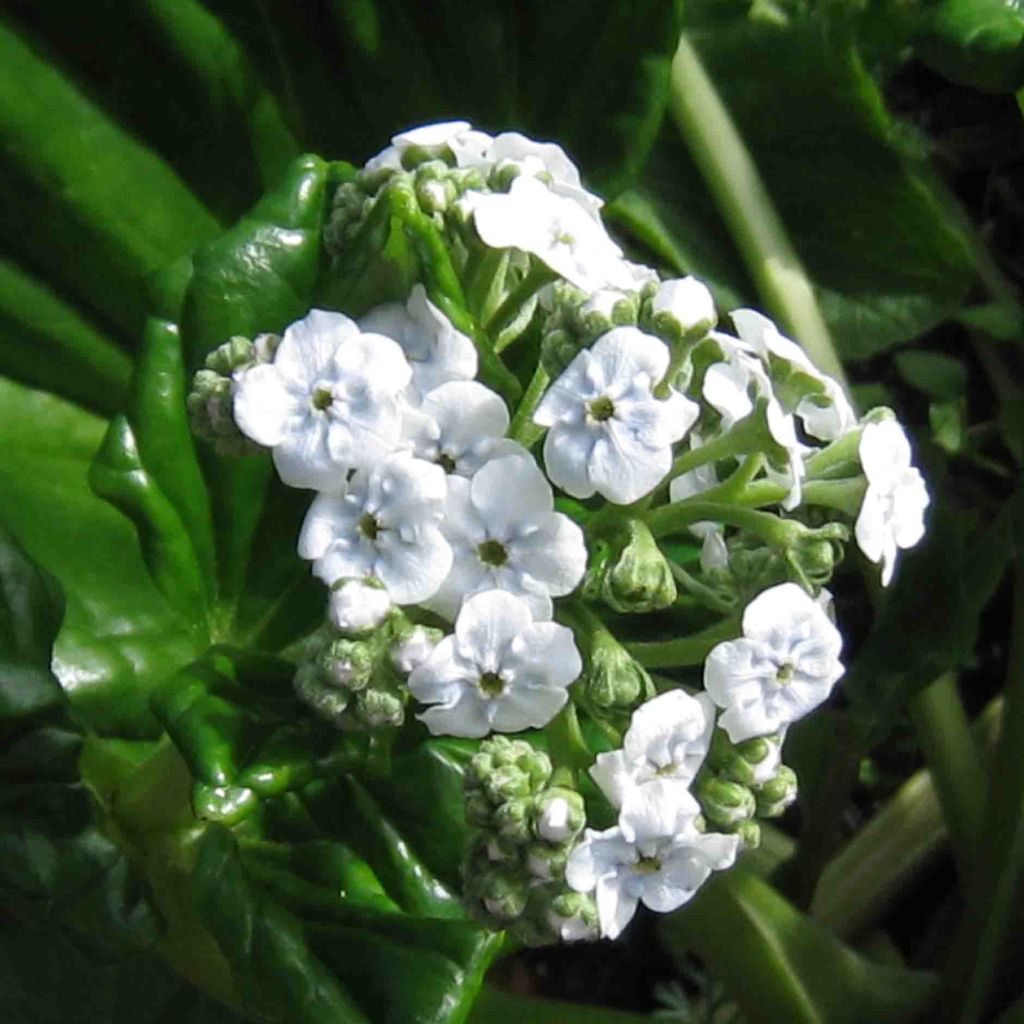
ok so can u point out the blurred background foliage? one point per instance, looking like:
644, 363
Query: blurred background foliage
883, 220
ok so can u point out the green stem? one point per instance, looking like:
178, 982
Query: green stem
522, 428
687, 650
770, 528
566, 744
980, 944
952, 755
859, 884
747, 435
699, 590
537, 278
487, 283
733, 180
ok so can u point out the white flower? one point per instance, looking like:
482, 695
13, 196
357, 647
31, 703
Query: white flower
547, 160
327, 403
554, 228
654, 856
436, 351
505, 535
668, 738
499, 672
460, 426
733, 388
783, 666
892, 515
384, 525
466, 144
358, 605
411, 652
826, 415
607, 432
687, 301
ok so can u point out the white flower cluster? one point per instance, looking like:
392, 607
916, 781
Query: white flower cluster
431, 498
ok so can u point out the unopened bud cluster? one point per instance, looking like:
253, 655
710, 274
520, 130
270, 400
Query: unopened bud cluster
525, 826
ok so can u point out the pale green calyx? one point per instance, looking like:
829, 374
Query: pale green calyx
775, 795
724, 804
635, 576
612, 678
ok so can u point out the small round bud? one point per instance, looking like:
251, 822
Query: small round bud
724, 803
774, 796
504, 893
637, 576
479, 810
378, 708
513, 820
546, 862
749, 833
573, 916
414, 648
346, 663
560, 814
329, 702
683, 309
613, 678
749, 763
358, 606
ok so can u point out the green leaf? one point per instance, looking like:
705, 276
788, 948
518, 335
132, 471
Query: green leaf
259, 276
979, 43
497, 1007
119, 636
888, 256
46, 343
114, 213
778, 965
56, 866
496, 64
932, 373
180, 76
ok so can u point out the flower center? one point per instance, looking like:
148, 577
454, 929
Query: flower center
492, 684
784, 674
602, 409
369, 527
648, 865
492, 552
446, 462
322, 398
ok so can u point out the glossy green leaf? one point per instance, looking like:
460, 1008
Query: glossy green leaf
119, 636
497, 64
886, 254
46, 343
778, 965
179, 76
259, 276
498, 1007
936, 375
979, 43
114, 212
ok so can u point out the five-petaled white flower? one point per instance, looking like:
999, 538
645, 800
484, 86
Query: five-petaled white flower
607, 432
655, 856
358, 605
384, 524
827, 414
548, 161
687, 301
464, 142
892, 515
554, 228
505, 535
784, 665
668, 738
327, 403
436, 351
460, 425
499, 672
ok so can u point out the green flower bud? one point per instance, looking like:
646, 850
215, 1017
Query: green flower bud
556, 914
513, 820
505, 769
558, 348
749, 833
637, 576
347, 663
479, 810
503, 893
546, 862
749, 763
612, 677
774, 796
816, 553
559, 815
329, 702
378, 708
725, 804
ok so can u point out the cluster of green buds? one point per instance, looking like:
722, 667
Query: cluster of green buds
740, 782
629, 572
359, 683
211, 399
526, 821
